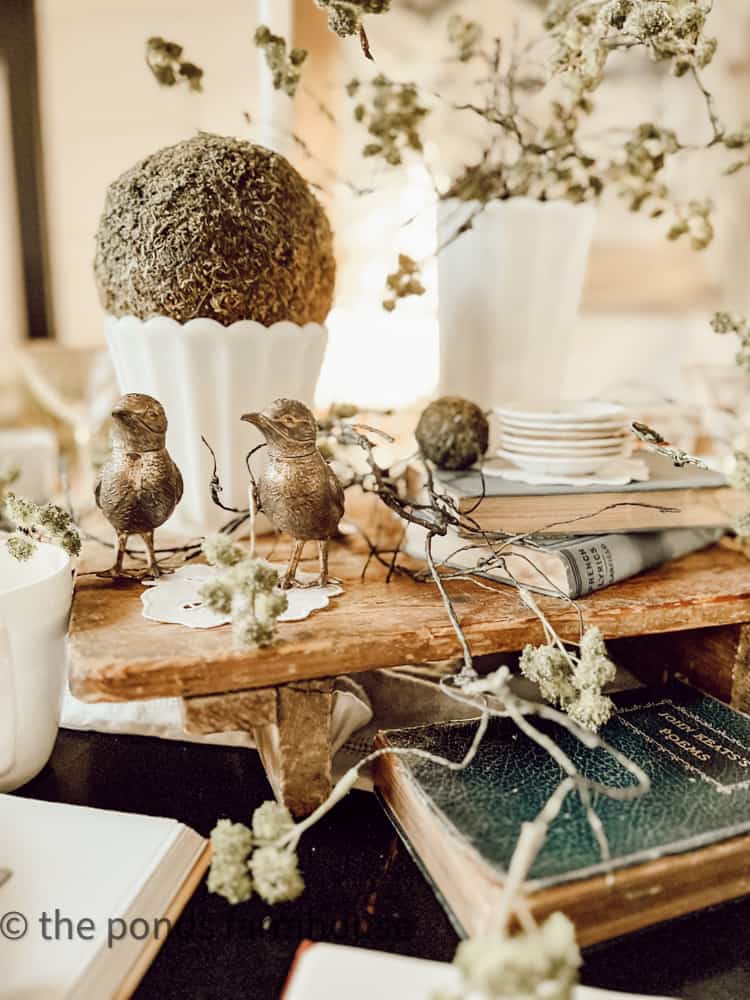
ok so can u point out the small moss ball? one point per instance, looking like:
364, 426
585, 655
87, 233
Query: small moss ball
453, 433
215, 227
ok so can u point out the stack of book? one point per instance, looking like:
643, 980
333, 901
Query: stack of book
583, 539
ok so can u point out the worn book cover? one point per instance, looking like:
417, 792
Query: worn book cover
671, 498
575, 565
681, 846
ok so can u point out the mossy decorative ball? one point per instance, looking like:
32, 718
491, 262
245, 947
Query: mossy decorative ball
215, 227
453, 433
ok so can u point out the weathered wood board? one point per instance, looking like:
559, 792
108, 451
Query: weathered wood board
116, 655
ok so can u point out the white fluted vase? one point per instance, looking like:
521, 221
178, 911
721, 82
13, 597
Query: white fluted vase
206, 376
509, 290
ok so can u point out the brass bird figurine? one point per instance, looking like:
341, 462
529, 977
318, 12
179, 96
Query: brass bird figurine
298, 491
139, 485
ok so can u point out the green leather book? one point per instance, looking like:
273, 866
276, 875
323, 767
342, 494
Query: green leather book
682, 846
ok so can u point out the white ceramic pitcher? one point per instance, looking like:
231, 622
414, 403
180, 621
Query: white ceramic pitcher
35, 601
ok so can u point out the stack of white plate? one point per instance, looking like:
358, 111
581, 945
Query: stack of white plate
563, 438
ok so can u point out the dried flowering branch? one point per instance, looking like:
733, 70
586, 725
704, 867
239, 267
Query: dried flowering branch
286, 68
345, 17
165, 61
35, 524
656, 443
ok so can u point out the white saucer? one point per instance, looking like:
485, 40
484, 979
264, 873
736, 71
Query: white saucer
556, 466
563, 412
619, 445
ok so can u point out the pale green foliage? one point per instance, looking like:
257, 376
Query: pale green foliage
286, 69
244, 859
21, 547
541, 964
36, 523
276, 875
573, 680
246, 590
228, 876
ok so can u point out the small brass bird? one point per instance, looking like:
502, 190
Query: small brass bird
139, 485
298, 491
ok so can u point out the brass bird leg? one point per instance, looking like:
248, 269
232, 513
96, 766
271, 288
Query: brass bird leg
323, 561
115, 572
153, 565
288, 579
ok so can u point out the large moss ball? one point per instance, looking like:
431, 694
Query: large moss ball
453, 433
215, 227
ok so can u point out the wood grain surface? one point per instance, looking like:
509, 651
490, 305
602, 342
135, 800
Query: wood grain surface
117, 655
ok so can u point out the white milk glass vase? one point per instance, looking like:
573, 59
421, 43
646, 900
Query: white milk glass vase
509, 290
206, 376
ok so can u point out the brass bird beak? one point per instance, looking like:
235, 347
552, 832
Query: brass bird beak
260, 420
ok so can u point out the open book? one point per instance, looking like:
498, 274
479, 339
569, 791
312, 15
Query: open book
91, 896
338, 972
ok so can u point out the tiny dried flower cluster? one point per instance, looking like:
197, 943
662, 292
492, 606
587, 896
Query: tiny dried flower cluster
542, 962
286, 69
392, 115
8, 476
345, 16
725, 322
247, 591
660, 446
403, 282
165, 61
573, 681
34, 524
244, 859
587, 33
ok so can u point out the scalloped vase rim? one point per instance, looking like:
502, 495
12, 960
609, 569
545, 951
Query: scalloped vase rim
200, 324
522, 201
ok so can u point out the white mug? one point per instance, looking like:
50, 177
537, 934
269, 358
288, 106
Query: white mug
35, 598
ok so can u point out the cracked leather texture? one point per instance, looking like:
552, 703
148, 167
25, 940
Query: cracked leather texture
695, 750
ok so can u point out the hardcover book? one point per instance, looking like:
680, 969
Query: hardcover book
671, 498
91, 894
575, 565
682, 846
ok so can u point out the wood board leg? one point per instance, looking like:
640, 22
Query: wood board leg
717, 660
304, 721
301, 716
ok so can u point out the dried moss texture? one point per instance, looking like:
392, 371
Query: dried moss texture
453, 433
219, 228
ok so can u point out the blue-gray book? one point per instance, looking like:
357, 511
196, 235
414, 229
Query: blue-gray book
682, 846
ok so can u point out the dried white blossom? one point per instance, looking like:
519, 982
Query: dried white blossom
271, 821
228, 876
276, 875
541, 964
247, 591
573, 680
